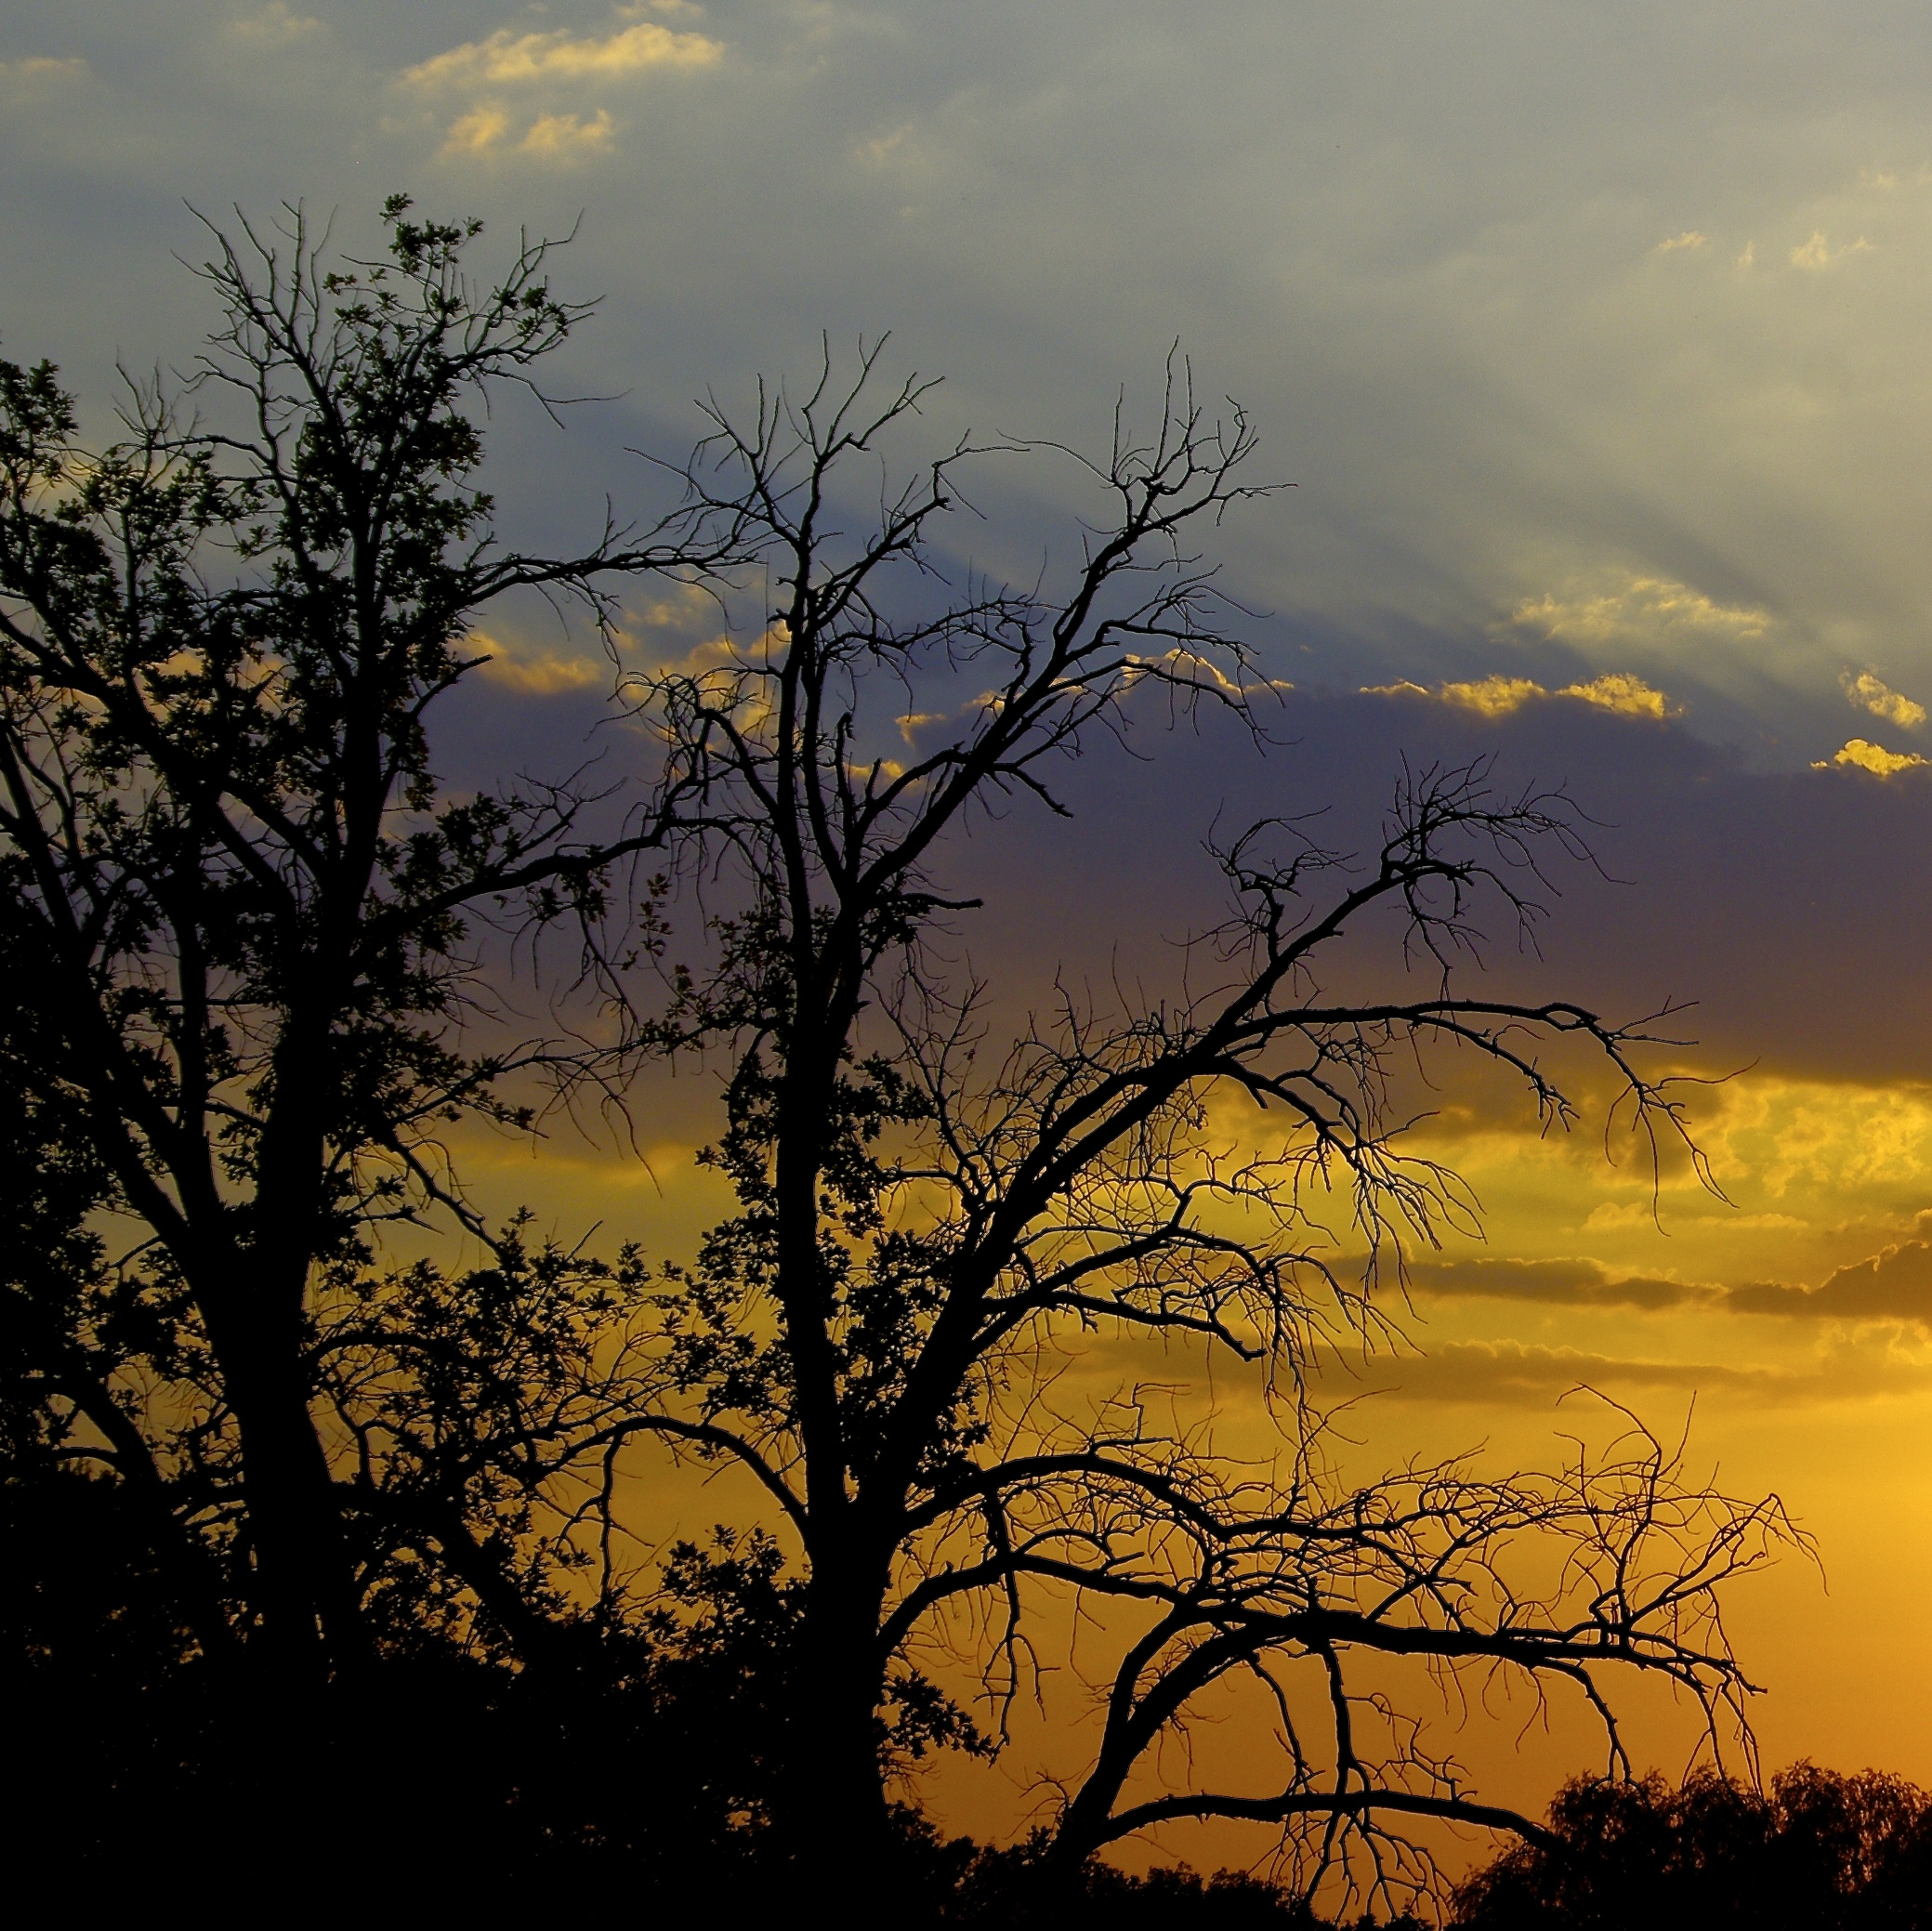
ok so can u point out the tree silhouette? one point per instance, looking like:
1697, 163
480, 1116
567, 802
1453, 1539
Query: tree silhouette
243, 926
922, 1220
251, 940
1818, 1848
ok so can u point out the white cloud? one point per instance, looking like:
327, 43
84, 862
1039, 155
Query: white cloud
1691, 238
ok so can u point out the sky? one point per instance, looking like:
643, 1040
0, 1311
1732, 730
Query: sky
1592, 342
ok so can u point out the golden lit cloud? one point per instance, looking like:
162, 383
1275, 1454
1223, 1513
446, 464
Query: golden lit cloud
681, 611
1831, 1142
1816, 254
1691, 238
1495, 697
1645, 606
720, 653
1825, 1183
1621, 691
509, 58
543, 675
1868, 757
563, 135
1200, 671
1870, 694
485, 130
557, 63
476, 132
274, 25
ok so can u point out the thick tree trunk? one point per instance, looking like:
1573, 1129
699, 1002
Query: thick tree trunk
302, 1561
300, 1712
836, 1821
302, 1583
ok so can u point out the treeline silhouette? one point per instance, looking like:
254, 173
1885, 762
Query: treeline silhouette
646, 1774
1818, 1849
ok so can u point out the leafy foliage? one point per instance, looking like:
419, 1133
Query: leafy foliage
246, 927
1816, 1848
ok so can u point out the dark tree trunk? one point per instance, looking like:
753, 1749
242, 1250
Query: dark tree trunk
837, 1823
302, 1582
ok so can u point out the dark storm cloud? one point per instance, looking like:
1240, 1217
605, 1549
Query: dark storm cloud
1794, 909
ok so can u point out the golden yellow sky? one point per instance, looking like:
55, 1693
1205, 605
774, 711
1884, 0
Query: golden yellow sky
1586, 1277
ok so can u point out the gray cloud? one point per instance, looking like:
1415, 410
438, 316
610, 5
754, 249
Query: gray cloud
1893, 1285
1535, 308
1517, 1374
1574, 1283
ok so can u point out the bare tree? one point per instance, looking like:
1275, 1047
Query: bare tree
868, 1336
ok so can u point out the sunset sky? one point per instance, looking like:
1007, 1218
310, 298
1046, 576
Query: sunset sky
1597, 343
